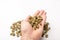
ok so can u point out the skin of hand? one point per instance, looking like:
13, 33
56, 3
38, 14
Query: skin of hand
27, 31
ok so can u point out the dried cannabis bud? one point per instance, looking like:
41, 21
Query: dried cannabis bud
34, 21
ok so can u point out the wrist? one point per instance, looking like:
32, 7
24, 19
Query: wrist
26, 37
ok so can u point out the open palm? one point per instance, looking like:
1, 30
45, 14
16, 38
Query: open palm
27, 31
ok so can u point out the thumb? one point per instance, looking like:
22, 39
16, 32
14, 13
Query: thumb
25, 27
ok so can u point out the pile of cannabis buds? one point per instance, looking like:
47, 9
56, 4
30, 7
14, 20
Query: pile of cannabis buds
34, 21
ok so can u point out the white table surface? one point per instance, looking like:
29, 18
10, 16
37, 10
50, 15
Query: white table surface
14, 10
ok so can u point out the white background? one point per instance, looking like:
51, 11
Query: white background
14, 10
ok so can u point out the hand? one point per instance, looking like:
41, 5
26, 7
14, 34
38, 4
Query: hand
27, 31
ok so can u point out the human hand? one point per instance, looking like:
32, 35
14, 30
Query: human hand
27, 31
